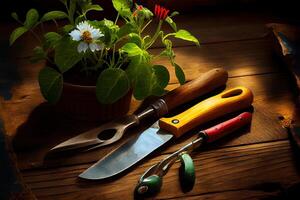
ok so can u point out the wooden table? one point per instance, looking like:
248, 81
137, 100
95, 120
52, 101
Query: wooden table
253, 164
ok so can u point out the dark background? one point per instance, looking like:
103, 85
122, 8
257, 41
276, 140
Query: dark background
286, 9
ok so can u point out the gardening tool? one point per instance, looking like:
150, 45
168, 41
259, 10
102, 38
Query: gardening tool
92, 139
151, 181
165, 129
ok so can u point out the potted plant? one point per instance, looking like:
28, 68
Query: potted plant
94, 66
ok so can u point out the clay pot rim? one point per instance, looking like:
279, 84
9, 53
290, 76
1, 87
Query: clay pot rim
79, 86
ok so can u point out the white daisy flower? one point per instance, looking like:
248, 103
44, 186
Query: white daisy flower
88, 36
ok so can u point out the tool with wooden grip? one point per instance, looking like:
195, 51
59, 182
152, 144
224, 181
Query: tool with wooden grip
130, 153
206, 83
151, 181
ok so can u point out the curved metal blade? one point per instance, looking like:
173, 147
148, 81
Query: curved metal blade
86, 139
90, 139
127, 155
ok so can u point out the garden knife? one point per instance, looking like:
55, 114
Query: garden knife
94, 138
165, 129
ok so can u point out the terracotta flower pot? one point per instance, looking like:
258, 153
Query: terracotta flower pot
79, 102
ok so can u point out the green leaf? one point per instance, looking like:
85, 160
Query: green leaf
67, 28
79, 19
54, 15
52, 39
83, 3
32, 18
38, 54
162, 75
132, 49
121, 4
94, 7
168, 51
16, 34
123, 7
173, 14
126, 29
51, 84
15, 16
185, 35
157, 90
109, 24
132, 68
146, 13
160, 80
66, 54
135, 38
171, 23
108, 28
112, 84
143, 80
167, 43
179, 74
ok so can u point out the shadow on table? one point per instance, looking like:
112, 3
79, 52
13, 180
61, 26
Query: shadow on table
45, 128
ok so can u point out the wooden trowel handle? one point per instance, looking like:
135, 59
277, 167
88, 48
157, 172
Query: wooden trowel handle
206, 83
212, 108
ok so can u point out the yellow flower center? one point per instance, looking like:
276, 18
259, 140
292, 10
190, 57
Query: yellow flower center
87, 37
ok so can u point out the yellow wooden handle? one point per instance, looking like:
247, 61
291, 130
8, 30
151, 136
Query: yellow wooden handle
224, 103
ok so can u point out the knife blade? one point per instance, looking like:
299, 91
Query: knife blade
167, 128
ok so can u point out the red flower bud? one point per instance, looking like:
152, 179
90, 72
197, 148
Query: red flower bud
139, 8
161, 12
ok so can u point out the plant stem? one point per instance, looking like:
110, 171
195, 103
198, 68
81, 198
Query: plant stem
36, 36
113, 56
85, 66
42, 28
95, 57
157, 33
56, 24
117, 18
146, 25
101, 54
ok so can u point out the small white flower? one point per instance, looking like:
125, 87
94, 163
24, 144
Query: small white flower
88, 37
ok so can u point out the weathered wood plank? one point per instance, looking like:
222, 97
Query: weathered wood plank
249, 167
240, 194
239, 58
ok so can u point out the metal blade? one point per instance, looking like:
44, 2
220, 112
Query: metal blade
127, 155
84, 140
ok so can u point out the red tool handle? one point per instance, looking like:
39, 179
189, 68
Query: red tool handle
227, 127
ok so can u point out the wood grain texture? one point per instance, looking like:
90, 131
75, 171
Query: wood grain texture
238, 58
221, 170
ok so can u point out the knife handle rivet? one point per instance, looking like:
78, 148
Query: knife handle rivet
175, 121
